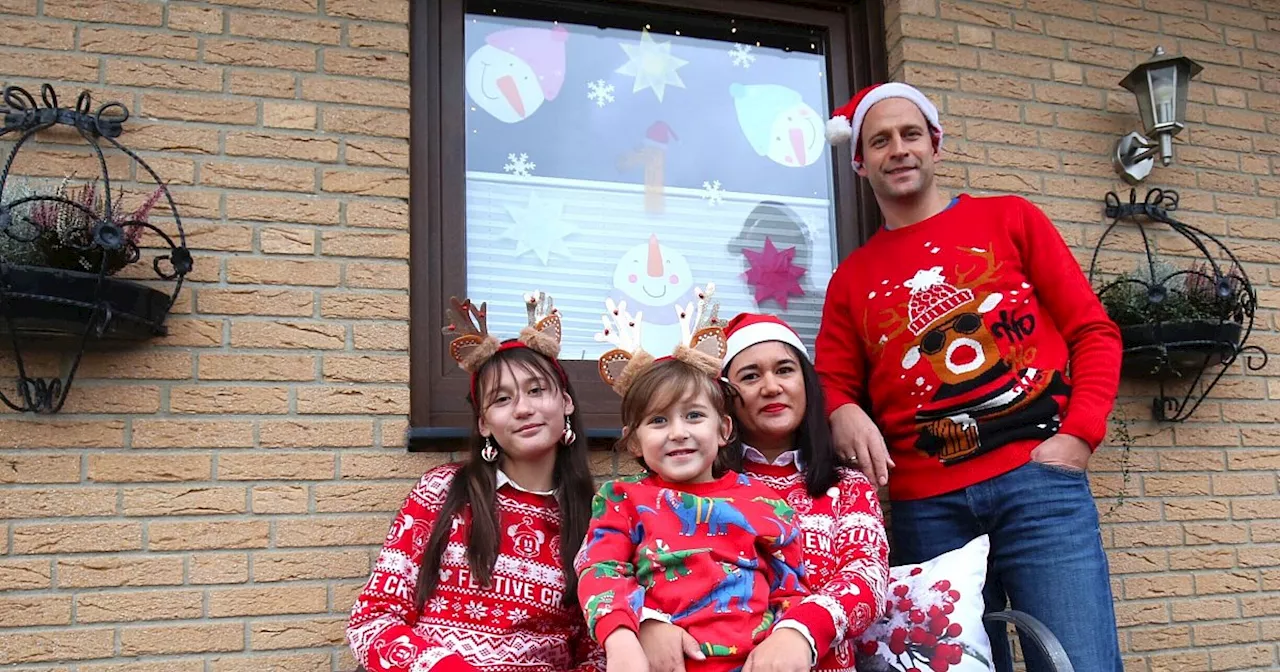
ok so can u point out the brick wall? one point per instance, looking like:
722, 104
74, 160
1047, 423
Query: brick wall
212, 501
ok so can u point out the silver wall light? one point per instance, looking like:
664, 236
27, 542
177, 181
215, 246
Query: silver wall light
1160, 85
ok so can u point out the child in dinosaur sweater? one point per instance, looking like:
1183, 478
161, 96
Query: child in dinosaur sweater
717, 555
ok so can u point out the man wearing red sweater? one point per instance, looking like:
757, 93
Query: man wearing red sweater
963, 348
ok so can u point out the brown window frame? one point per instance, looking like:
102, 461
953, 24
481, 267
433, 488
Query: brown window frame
439, 416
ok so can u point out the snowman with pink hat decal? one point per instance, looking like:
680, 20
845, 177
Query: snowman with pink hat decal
516, 71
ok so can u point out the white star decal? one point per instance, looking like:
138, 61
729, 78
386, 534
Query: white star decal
539, 228
652, 64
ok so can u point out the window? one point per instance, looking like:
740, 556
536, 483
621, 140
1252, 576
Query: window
633, 151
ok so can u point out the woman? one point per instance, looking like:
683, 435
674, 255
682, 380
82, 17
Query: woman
785, 442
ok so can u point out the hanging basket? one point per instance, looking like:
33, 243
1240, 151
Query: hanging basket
50, 306
1172, 349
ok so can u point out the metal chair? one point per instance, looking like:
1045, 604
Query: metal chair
1035, 632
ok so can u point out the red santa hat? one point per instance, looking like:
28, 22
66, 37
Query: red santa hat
841, 129
748, 329
541, 48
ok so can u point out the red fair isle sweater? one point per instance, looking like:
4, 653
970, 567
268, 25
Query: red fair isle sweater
846, 553
956, 333
518, 624
722, 559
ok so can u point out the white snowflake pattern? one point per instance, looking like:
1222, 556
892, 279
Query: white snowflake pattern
476, 610
600, 92
741, 56
520, 166
439, 604
517, 616
497, 612
712, 193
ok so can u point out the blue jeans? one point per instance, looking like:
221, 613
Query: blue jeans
1046, 557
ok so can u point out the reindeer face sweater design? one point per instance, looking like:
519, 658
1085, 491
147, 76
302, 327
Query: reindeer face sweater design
721, 559
956, 335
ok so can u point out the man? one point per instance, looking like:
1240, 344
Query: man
963, 348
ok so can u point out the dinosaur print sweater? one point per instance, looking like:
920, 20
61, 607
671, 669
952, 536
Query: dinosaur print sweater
723, 560
846, 553
517, 624
969, 338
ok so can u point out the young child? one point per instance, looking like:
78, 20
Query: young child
472, 573
716, 554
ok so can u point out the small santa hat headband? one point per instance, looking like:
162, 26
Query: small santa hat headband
748, 329
472, 345
702, 345
840, 129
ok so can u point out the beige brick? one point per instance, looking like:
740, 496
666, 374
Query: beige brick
310, 565
1246, 657
366, 121
219, 568
183, 501
1192, 460
309, 433
112, 398
365, 244
119, 570
393, 337
1129, 614
280, 145
258, 83
96, 537
25, 574
366, 368
299, 6
357, 498
1156, 485
138, 43
284, 302
1147, 535
291, 28
1216, 634
276, 467
291, 335
165, 640
353, 399
289, 115
42, 162
1195, 509
157, 605
167, 665
370, 275
394, 464
328, 89
39, 468
364, 305
61, 433
32, 610
366, 182
254, 53
327, 532
287, 240
195, 19
390, 12
286, 209
374, 36
283, 272
24, 7
381, 153
181, 107
193, 333
1260, 606
136, 466
1164, 586
280, 663
162, 75
46, 502
264, 601
257, 176
135, 12
279, 499
56, 645
1244, 484
358, 63
1236, 581
204, 535
192, 434
1201, 558
1160, 638
1243, 508
1205, 609
298, 633
37, 34
256, 367
371, 213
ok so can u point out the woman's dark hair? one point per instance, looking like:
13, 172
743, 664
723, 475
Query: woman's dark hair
813, 436
475, 485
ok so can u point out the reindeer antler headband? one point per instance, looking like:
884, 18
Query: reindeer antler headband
473, 345
703, 341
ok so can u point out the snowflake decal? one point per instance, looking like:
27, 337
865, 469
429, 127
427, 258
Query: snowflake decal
439, 604
741, 56
712, 193
520, 166
600, 92
476, 610
517, 616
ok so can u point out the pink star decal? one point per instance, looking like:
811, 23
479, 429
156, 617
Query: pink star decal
773, 273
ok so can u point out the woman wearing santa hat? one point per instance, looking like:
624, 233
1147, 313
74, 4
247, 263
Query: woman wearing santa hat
786, 443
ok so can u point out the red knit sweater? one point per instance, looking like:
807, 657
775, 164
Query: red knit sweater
518, 624
846, 553
722, 559
955, 334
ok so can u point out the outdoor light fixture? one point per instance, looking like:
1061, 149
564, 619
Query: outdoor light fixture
1160, 85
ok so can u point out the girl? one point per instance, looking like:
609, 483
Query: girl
785, 442
715, 553
470, 577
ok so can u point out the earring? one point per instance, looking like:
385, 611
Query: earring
569, 437
488, 453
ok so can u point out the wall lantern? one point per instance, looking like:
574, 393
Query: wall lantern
1160, 85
